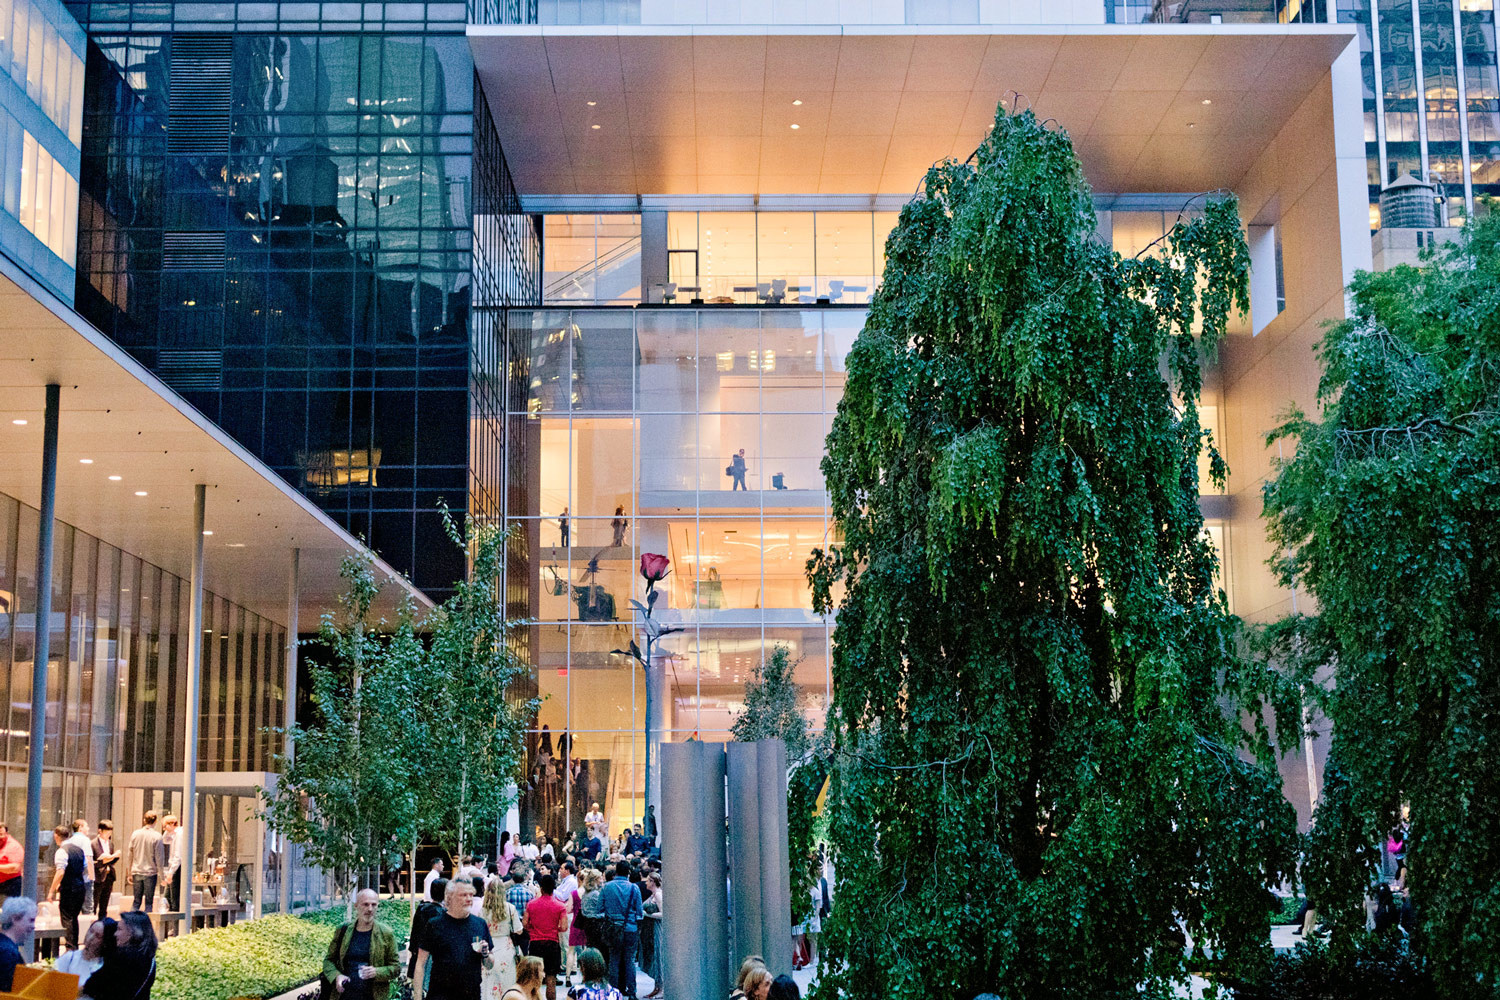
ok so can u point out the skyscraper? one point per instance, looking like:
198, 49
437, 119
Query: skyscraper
276, 220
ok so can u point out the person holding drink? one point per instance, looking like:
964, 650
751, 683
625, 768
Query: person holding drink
361, 962
458, 947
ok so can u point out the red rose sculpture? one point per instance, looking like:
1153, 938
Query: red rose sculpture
653, 566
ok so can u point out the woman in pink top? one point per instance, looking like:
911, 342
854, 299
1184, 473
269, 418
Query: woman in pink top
507, 851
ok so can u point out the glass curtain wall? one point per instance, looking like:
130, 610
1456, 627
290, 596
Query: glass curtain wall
117, 678
692, 433
777, 258
276, 220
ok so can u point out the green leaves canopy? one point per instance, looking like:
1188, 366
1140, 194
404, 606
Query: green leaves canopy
1040, 781
349, 785
1386, 514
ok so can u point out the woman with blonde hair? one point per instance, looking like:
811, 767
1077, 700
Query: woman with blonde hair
503, 921
746, 974
529, 974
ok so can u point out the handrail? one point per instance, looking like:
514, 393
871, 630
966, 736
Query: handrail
630, 246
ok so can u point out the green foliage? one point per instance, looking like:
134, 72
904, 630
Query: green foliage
803, 785
349, 785
257, 958
773, 709
1386, 515
1040, 780
1379, 969
477, 720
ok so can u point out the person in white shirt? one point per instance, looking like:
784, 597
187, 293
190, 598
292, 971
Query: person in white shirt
567, 882
84, 962
81, 840
432, 876
598, 828
530, 852
169, 865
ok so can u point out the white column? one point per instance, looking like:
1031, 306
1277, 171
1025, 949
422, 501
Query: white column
189, 829
293, 589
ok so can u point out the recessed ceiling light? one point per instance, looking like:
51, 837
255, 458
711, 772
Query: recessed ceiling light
234, 545
114, 479
140, 493
1192, 124
1208, 100
796, 126
797, 102
593, 126
207, 531
593, 104
19, 422
85, 461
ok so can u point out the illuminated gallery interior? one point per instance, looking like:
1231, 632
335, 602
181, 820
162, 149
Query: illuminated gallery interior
630, 423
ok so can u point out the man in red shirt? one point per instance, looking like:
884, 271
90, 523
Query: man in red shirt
546, 922
11, 856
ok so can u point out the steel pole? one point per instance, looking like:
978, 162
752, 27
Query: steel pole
41, 652
289, 718
189, 830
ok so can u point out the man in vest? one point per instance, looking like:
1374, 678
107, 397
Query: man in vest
72, 869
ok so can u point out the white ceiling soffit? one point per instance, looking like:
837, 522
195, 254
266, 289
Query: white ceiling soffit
633, 110
120, 417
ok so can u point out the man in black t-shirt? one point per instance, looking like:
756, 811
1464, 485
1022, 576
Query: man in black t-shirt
457, 944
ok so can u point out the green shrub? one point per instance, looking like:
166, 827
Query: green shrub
1379, 967
257, 958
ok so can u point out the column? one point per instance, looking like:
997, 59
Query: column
695, 959
775, 869
760, 876
189, 828
744, 850
41, 651
293, 591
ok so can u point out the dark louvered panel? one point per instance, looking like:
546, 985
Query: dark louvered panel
190, 370
192, 251
198, 111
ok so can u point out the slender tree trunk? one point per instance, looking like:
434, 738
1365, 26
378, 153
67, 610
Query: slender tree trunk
463, 797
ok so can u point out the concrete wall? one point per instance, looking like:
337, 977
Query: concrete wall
1310, 185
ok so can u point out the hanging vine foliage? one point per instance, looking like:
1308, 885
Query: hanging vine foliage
1041, 782
1388, 513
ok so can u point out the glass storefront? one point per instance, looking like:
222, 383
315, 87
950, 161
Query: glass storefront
632, 427
116, 698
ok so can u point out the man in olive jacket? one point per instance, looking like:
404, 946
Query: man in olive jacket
361, 962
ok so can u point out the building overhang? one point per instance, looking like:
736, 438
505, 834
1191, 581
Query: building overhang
117, 419
709, 110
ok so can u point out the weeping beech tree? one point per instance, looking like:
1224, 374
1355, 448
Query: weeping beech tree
1042, 784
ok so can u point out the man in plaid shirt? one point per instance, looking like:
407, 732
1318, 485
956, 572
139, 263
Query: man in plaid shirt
521, 892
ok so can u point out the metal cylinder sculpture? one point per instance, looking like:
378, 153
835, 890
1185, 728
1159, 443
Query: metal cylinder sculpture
760, 872
694, 929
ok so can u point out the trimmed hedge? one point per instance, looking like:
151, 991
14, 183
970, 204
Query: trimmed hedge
257, 958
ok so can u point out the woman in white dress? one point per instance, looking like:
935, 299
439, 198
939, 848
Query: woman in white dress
503, 921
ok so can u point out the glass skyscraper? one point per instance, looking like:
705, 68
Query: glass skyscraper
276, 220
1430, 93
41, 118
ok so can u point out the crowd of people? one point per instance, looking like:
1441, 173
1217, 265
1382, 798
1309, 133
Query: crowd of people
581, 919
117, 960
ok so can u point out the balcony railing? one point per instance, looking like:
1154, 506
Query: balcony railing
1238, 11
555, 11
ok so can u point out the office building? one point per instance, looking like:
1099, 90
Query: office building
107, 618
1429, 88
41, 122
715, 184
276, 221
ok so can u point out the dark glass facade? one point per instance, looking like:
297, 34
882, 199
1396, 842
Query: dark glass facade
276, 220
